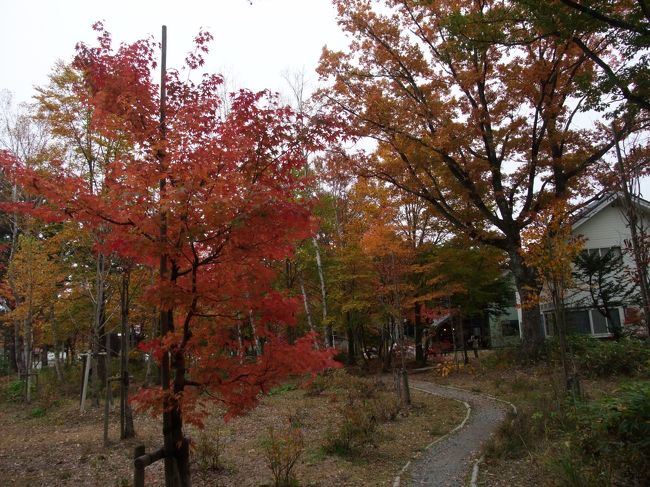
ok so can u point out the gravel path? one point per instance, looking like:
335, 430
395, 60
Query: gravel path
447, 463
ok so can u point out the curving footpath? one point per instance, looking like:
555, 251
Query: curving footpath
448, 461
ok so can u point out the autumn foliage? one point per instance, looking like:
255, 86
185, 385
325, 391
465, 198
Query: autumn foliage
226, 192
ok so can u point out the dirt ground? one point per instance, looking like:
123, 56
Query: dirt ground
64, 447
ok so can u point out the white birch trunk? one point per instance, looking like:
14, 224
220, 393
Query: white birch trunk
327, 328
307, 310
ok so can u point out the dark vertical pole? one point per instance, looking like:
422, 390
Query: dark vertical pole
138, 471
126, 418
124, 384
124, 376
106, 403
164, 314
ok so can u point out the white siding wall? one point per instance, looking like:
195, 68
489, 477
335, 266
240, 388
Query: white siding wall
605, 229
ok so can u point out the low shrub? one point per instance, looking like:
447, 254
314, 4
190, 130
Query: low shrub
386, 407
5, 369
37, 412
615, 433
317, 385
208, 450
356, 429
541, 417
499, 359
362, 404
569, 471
281, 389
14, 391
602, 358
282, 449
352, 386
447, 367
513, 437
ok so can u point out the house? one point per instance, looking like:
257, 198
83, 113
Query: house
603, 227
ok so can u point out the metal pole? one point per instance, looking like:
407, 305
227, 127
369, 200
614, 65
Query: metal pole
164, 314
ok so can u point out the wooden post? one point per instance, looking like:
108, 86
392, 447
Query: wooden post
106, 404
84, 387
138, 469
166, 316
126, 417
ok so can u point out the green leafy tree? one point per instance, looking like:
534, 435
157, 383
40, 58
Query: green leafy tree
605, 281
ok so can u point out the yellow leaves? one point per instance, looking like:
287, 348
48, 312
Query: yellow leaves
447, 367
549, 246
32, 277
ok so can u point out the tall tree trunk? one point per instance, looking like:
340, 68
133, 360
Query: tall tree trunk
528, 287
626, 182
127, 429
44, 352
98, 361
10, 349
177, 472
406, 392
101, 321
256, 339
571, 381
18, 347
349, 328
386, 347
460, 340
27, 351
327, 327
181, 444
305, 302
560, 324
57, 344
28, 339
57, 363
420, 357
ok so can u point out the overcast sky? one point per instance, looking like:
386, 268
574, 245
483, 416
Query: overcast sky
254, 41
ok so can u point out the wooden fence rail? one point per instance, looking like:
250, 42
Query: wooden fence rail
141, 460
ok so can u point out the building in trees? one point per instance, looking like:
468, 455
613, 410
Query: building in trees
604, 299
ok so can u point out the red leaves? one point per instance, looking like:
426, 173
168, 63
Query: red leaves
235, 384
153, 348
231, 202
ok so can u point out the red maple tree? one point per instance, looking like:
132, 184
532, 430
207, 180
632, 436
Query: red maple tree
209, 200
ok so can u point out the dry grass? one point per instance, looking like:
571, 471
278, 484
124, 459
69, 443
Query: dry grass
65, 448
538, 393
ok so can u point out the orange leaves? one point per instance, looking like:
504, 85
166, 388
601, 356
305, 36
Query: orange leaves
219, 199
550, 247
469, 111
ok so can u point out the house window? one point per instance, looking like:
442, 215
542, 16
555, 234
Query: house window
549, 322
603, 251
510, 328
616, 318
602, 325
599, 321
578, 322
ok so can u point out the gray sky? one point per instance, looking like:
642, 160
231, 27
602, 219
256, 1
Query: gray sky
253, 44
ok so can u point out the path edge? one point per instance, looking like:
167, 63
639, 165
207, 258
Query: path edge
468, 410
475, 469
